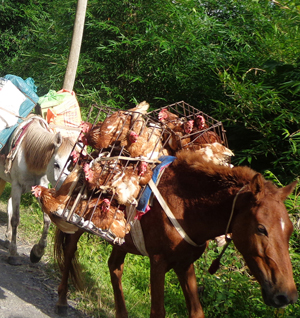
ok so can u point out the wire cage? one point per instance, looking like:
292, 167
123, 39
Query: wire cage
108, 177
115, 167
184, 113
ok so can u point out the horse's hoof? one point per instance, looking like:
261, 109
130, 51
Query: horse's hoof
36, 253
33, 257
61, 310
14, 260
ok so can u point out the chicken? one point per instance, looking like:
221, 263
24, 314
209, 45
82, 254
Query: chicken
90, 134
217, 153
168, 118
125, 186
145, 173
146, 145
115, 178
202, 136
104, 215
173, 122
115, 127
207, 137
200, 123
177, 140
54, 201
96, 174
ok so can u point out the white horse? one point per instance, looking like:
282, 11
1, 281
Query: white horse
33, 156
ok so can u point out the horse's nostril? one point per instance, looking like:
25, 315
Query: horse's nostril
282, 300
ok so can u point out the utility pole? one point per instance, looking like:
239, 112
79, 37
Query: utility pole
75, 46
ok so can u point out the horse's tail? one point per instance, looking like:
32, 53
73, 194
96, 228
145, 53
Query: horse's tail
2, 185
60, 241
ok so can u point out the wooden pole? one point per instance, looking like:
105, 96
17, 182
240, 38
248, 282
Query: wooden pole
75, 46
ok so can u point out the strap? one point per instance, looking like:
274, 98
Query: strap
171, 216
12, 113
136, 231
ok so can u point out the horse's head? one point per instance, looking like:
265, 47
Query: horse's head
57, 169
261, 232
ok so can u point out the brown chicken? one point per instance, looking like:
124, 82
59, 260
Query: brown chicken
90, 134
115, 127
200, 123
202, 136
168, 118
171, 121
146, 145
114, 178
104, 215
145, 173
97, 174
178, 140
53, 201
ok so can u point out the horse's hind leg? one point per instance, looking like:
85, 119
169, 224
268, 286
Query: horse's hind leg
38, 250
116, 266
65, 248
188, 282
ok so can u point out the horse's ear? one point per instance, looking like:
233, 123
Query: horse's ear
287, 190
257, 186
58, 140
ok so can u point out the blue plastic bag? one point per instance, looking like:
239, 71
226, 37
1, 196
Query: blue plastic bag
28, 88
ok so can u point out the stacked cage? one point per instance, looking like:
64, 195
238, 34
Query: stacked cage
203, 129
110, 173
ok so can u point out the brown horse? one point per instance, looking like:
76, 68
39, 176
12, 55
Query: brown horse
206, 199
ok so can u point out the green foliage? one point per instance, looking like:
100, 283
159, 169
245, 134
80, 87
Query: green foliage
238, 61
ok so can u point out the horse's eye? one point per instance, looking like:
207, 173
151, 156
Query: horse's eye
262, 230
56, 165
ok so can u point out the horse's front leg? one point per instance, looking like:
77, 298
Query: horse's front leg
116, 266
188, 282
158, 268
8, 232
38, 250
14, 213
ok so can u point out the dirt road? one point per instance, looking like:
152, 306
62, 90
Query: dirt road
26, 291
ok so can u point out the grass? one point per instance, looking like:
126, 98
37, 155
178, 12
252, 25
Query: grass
230, 293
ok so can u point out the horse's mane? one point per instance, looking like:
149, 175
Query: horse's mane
190, 164
67, 144
39, 146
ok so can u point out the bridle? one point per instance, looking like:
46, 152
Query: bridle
231, 214
216, 263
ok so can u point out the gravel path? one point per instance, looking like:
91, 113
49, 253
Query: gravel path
26, 291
